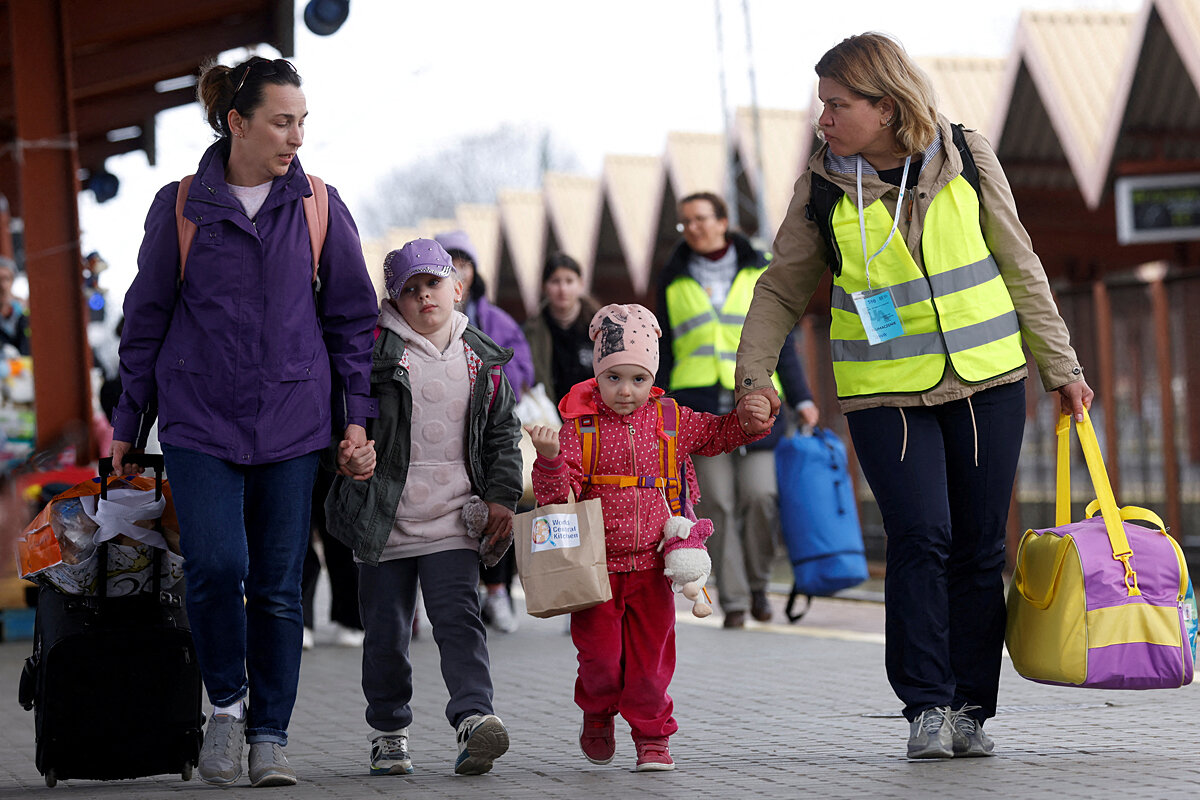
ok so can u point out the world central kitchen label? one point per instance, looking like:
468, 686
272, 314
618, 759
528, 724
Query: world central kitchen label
555, 531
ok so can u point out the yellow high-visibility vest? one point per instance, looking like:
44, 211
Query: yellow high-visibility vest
705, 339
958, 308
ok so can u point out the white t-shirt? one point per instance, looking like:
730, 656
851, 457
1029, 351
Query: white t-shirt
251, 197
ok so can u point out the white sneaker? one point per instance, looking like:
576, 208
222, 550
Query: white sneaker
499, 611
347, 637
307, 641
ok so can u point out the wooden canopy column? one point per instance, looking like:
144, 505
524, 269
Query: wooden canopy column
48, 165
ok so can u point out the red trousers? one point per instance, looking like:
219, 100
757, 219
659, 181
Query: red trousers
627, 653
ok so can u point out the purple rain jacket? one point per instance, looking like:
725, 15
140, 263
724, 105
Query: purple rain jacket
235, 361
504, 331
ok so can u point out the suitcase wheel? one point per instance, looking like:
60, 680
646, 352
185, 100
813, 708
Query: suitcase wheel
51, 779
186, 774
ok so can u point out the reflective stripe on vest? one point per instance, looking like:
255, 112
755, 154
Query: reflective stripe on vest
959, 307
705, 338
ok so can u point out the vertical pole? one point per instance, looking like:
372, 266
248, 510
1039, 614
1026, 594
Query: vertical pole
731, 189
1108, 394
1161, 307
759, 203
48, 161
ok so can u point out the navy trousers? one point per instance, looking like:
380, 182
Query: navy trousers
943, 478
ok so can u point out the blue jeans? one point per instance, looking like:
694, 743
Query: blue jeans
945, 510
243, 533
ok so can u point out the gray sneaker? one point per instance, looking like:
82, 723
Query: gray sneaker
389, 754
482, 738
221, 754
269, 766
931, 734
969, 739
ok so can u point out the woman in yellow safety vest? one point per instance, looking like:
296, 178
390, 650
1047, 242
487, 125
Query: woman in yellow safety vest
935, 287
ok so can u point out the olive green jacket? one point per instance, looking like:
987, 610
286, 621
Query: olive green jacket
361, 513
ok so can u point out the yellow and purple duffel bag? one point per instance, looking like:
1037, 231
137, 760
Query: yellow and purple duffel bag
1099, 603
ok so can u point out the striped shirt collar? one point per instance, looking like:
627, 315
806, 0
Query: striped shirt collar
846, 165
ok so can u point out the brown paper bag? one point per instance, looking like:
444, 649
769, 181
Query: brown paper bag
561, 557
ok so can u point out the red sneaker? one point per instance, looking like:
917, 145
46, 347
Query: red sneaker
596, 738
653, 755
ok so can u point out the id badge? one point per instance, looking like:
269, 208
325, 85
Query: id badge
877, 311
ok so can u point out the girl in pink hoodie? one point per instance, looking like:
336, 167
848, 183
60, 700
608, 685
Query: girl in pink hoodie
627, 645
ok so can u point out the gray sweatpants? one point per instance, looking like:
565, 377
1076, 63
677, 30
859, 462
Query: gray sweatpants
738, 493
387, 598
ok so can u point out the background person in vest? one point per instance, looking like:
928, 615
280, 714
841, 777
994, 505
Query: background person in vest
704, 291
502, 329
558, 332
235, 362
936, 408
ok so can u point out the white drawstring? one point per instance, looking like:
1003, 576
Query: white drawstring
904, 441
974, 429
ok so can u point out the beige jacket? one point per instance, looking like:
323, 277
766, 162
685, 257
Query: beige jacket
783, 292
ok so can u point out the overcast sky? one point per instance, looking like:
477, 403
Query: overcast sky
401, 79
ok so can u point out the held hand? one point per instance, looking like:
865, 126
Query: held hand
356, 434
756, 411
356, 461
1075, 397
361, 463
499, 523
545, 440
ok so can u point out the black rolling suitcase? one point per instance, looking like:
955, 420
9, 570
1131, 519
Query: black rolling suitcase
113, 681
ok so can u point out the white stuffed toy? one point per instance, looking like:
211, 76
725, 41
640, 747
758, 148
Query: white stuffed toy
687, 560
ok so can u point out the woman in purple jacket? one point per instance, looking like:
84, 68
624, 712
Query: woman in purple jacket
236, 357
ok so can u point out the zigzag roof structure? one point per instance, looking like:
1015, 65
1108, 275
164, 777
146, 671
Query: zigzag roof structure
1084, 97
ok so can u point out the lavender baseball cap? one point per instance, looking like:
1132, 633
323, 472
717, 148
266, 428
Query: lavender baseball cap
458, 240
418, 257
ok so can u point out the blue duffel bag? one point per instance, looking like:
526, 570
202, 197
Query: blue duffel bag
819, 516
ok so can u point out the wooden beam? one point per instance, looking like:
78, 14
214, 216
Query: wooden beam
1161, 314
101, 114
62, 358
1108, 395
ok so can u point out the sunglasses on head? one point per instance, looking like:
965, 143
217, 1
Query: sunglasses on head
278, 66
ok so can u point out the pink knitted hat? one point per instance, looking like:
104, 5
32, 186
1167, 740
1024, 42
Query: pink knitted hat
624, 334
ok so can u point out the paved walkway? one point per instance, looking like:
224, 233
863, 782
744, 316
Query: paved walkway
770, 711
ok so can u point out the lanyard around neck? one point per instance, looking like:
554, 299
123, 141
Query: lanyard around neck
862, 225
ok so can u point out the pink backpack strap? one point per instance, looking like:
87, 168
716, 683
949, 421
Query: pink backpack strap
316, 214
184, 226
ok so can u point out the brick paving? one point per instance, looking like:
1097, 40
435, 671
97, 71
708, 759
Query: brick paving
769, 711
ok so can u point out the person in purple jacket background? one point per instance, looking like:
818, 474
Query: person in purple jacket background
238, 358
504, 331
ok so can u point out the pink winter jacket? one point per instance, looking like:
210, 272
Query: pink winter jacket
629, 445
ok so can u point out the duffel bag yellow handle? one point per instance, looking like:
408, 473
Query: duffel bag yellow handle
1104, 493
1131, 514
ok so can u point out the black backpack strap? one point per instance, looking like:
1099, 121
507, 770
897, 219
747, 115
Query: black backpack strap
823, 196
794, 617
969, 170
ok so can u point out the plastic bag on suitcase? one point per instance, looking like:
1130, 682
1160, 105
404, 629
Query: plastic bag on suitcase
59, 548
819, 517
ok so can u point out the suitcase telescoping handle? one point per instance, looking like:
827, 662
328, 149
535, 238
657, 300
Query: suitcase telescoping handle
152, 460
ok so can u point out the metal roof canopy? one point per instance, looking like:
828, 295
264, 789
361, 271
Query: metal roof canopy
72, 72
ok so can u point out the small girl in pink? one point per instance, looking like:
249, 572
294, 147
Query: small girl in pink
627, 645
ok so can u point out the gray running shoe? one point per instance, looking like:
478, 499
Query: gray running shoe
969, 739
482, 738
389, 754
221, 754
931, 735
269, 766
